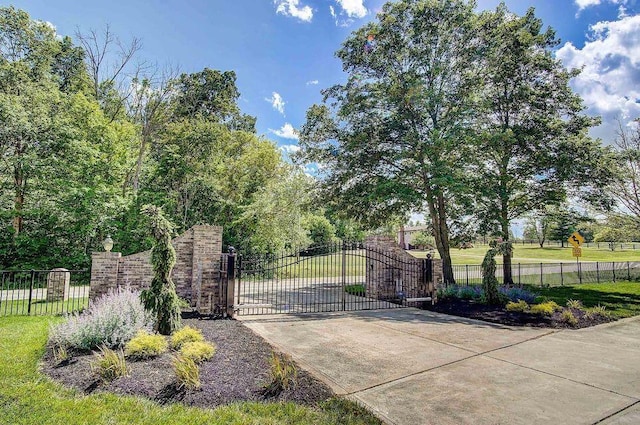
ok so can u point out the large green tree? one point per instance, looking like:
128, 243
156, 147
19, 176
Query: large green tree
393, 138
61, 157
532, 130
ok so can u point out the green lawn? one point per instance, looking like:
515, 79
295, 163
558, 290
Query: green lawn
21, 307
30, 398
535, 254
328, 265
622, 299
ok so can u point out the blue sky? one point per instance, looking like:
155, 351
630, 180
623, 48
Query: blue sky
283, 50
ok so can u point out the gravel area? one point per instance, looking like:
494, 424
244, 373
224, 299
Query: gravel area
237, 372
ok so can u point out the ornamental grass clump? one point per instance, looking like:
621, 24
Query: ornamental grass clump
568, 318
110, 321
577, 304
145, 345
187, 372
109, 364
284, 374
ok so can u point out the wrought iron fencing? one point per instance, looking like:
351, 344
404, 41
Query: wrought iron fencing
600, 245
37, 292
554, 274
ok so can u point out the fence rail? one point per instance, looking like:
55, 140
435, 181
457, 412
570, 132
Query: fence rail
600, 245
36, 292
554, 274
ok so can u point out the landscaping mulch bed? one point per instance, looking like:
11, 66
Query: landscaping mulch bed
476, 310
237, 372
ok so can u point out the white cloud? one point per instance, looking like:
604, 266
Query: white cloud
353, 8
583, 4
349, 11
333, 12
610, 78
276, 102
312, 83
286, 132
290, 149
292, 8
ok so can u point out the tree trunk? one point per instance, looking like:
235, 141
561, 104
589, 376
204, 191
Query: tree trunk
136, 176
441, 234
506, 259
19, 182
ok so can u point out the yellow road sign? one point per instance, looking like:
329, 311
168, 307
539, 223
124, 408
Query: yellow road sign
577, 251
576, 239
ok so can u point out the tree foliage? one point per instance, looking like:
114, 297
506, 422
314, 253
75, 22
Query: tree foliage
391, 139
88, 138
532, 131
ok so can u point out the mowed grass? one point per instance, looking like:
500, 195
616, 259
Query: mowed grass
351, 262
21, 307
534, 254
29, 398
621, 299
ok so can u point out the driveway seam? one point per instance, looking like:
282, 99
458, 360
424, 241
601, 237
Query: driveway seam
565, 378
550, 332
614, 414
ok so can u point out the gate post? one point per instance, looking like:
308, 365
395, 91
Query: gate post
344, 276
231, 282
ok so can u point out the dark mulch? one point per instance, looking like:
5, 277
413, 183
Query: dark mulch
237, 372
476, 310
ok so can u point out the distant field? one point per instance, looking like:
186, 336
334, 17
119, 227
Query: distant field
535, 254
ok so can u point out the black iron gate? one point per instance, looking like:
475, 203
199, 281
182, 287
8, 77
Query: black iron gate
338, 277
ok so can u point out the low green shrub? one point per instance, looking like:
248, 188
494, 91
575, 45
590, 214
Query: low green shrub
187, 372
357, 289
470, 292
198, 351
145, 345
283, 374
184, 335
520, 306
568, 318
448, 293
545, 309
109, 364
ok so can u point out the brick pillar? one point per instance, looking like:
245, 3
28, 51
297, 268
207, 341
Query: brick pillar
207, 248
104, 273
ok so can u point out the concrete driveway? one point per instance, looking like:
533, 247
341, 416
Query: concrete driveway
417, 367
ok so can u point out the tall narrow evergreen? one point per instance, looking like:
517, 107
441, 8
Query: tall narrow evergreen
161, 298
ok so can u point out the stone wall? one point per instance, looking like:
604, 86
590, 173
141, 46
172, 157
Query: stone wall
394, 275
197, 269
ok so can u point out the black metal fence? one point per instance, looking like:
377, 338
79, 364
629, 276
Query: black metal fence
36, 292
554, 274
614, 246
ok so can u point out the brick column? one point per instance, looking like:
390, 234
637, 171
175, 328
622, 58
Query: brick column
207, 248
104, 273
